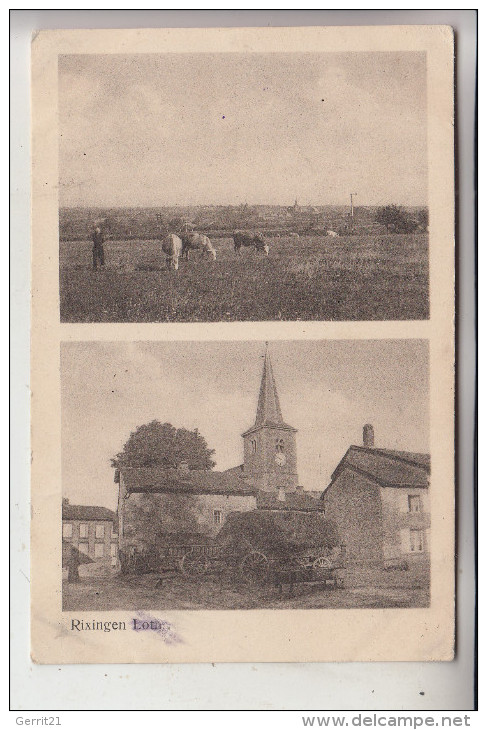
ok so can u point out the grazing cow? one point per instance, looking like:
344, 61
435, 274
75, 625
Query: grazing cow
172, 246
332, 234
198, 241
253, 240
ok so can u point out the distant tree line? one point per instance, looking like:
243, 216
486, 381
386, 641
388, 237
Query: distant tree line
152, 223
398, 220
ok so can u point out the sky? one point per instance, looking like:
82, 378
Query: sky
230, 128
328, 390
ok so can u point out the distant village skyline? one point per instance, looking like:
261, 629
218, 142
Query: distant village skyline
328, 391
237, 205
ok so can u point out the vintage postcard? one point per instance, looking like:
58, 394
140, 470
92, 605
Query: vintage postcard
243, 345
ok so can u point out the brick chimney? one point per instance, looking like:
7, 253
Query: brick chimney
368, 436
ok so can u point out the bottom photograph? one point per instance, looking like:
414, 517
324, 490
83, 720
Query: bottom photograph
245, 475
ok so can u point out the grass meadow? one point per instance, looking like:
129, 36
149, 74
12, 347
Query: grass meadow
378, 277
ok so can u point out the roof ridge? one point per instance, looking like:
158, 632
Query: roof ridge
91, 511
380, 482
345, 464
169, 468
394, 454
91, 506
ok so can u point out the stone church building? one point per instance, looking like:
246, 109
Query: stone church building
377, 498
267, 480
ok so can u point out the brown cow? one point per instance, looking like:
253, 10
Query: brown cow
253, 240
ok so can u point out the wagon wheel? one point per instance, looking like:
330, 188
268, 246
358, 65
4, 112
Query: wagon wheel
323, 564
192, 564
254, 567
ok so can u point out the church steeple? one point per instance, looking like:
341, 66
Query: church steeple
270, 444
268, 407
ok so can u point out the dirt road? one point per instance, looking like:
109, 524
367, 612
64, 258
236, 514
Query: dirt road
176, 592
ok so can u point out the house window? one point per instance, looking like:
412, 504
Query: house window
253, 446
414, 503
99, 549
217, 516
113, 550
83, 548
83, 530
279, 445
100, 531
67, 529
416, 538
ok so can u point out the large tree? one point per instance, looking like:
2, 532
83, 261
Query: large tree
161, 444
156, 517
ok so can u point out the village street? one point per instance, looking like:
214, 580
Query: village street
176, 592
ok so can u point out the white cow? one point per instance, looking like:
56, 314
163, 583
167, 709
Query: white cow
332, 234
172, 246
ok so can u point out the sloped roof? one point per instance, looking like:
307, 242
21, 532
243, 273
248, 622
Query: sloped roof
408, 456
87, 512
231, 481
194, 481
386, 467
268, 407
295, 501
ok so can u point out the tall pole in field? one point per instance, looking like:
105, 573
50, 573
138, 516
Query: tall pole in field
351, 205
351, 210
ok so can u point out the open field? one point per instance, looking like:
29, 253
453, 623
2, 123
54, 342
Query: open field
358, 277
215, 592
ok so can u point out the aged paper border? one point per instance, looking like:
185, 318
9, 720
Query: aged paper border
223, 636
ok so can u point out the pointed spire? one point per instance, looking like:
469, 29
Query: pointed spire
268, 407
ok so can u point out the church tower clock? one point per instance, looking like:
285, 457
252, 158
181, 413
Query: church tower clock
270, 458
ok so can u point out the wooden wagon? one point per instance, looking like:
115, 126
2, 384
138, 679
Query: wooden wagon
254, 548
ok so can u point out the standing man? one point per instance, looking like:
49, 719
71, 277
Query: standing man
73, 566
98, 251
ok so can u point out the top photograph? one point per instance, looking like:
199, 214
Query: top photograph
233, 187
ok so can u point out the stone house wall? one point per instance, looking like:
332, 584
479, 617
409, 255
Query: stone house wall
204, 514
354, 504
